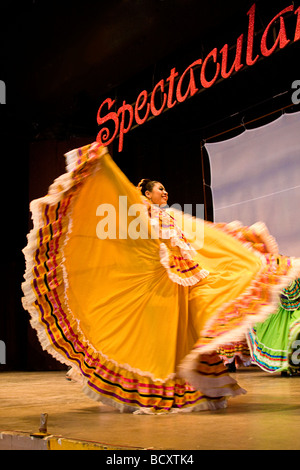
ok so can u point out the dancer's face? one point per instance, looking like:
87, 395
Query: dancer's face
158, 195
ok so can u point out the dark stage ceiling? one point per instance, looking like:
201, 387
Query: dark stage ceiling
59, 48
60, 58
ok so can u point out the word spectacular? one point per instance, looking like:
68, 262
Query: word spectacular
176, 89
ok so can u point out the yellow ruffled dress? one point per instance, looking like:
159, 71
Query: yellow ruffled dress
135, 306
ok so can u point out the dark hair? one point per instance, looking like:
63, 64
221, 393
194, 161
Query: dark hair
146, 185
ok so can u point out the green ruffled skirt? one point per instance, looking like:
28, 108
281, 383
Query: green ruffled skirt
275, 344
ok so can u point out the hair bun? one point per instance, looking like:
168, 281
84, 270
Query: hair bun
146, 185
142, 186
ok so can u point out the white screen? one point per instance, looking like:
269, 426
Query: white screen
256, 177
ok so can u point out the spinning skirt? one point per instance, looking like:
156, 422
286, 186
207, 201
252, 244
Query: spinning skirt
140, 332
274, 343
237, 353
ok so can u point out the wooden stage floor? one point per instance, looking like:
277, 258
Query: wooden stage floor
266, 418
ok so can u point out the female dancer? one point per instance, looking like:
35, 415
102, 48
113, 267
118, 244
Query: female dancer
133, 304
274, 343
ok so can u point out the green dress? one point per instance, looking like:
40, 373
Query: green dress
274, 344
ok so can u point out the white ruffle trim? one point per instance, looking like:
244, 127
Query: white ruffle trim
206, 405
189, 281
73, 157
260, 229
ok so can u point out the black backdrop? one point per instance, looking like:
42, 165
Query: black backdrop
60, 60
